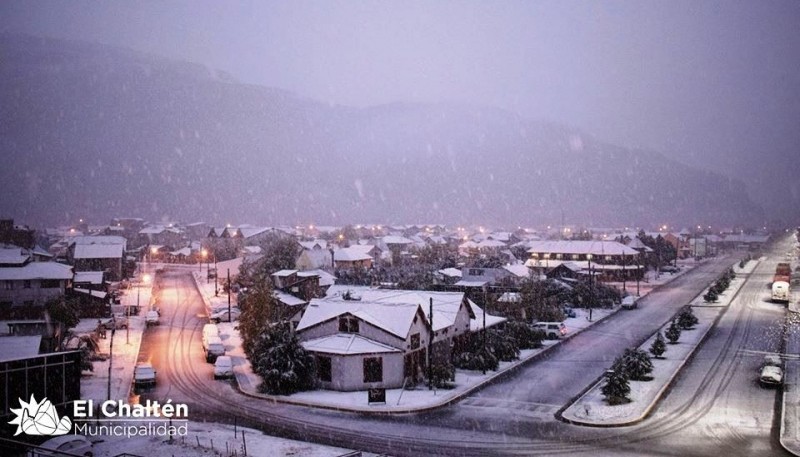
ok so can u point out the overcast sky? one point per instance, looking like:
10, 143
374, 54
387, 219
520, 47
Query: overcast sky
704, 78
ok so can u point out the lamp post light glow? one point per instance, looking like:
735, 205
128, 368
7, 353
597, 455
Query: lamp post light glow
203, 255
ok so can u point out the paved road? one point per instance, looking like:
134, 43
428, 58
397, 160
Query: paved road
514, 416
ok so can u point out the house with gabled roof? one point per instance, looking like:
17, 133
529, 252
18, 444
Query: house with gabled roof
385, 335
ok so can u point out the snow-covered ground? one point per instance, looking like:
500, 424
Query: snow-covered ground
94, 384
213, 439
591, 408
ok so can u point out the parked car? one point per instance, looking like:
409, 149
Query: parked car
552, 330
569, 311
151, 318
630, 302
71, 444
670, 269
224, 316
144, 375
223, 367
771, 376
214, 348
117, 321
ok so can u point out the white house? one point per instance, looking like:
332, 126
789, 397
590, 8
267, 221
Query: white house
358, 334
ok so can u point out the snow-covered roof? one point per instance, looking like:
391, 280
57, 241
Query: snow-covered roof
347, 344
248, 232
518, 270
490, 244
396, 320
580, 247
325, 278
391, 239
91, 277
183, 251
36, 270
288, 299
106, 239
13, 256
19, 347
477, 323
451, 272
93, 293
284, 273
465, 283
98, 251
350, 254
314, 245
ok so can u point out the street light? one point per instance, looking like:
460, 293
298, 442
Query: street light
203, 255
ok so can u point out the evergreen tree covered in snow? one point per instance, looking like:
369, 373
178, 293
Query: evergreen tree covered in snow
283, 364
659, 346
673, 333
617, 388
635, 363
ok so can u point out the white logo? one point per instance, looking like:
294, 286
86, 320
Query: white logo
39, 419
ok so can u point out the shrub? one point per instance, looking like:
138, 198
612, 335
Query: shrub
635, 363
673, 333
659, 346
711, 296
526, 336
478, 361
443, 375
687, 319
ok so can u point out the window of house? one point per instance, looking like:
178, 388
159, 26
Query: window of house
415, 341
50, 284
26, 284
8, 285
373, 369
475, 272
324, 368
6, 304
348, 324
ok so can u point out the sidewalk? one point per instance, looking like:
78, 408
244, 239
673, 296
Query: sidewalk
591, 409
397, 400
95, 386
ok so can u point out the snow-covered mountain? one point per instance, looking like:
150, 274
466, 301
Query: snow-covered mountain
95, 131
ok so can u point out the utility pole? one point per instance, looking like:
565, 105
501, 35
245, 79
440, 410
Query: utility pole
591, 288
229, 295
485, 303
624, 271
430, 346
111, 358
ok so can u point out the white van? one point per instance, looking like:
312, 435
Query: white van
209, 330
214, 348
630, 302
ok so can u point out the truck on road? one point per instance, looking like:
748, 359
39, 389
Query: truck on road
780, 283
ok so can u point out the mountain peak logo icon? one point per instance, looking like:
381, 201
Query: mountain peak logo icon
39, 418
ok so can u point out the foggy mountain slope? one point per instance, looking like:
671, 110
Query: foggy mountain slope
94, 131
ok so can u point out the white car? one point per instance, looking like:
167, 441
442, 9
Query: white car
144, 375
771, 376
223, 316
72, 444
151, 318
223, 367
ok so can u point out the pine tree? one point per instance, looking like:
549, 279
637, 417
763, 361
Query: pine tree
284, 365
673, 333
635, 363
617, 388
687, 319
659, 346
711, 296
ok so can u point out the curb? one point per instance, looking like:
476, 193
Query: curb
664, 388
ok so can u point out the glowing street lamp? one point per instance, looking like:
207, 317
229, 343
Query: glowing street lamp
203, 254
146, 280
